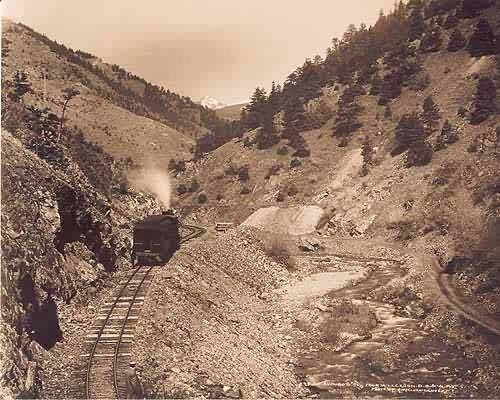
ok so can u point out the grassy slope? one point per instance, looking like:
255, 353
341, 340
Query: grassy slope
120, 132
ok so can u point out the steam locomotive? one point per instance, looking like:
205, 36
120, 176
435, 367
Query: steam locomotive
156, 239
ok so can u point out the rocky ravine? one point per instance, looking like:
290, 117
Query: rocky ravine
61, 239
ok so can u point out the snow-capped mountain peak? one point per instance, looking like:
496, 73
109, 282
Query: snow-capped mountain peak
211, 103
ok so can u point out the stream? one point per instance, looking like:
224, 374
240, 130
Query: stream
395, 359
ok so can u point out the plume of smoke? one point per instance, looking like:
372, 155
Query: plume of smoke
154, 181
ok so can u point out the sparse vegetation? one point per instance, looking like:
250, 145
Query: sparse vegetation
457, 41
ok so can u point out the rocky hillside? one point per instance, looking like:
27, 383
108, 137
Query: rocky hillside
440, 192
61, 240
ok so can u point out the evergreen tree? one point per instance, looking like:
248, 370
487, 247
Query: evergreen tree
448, 136
439, 7
419, 154
5, 49
432, 40
267, 137
430, 114
68, 95
457, 41
392, 87
416, 24
254, 111
274, 99
376, 85
484, 101
482, 41
293, 121
451, 21
21, 86
410, 130
346, 121
367, 152
472, 8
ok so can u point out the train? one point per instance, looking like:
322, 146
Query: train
156, 238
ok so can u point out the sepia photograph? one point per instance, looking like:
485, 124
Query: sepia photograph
233, 199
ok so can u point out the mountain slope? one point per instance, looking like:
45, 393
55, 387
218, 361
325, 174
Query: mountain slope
124, 114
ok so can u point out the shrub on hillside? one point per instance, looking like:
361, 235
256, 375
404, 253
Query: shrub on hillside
245, 190
194, 186
202, 198
419, 154
448, 136
243, 174
388, 112
367, 152
419, 82
181, 189
295, 162
273, 170
416, 24
457, 41
484, 101
482, 41
177, 166
300, 146
430, 115
266, 138
462, 112
282, 151
432, 40
292, 190
409, 130
277, 249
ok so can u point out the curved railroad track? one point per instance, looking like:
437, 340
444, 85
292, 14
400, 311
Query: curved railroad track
491, 325
194, 232
109, 343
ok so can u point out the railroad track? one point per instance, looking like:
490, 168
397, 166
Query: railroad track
110, 339
108, 344
194, 232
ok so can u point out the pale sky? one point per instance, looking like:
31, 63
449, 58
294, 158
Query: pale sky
217, 48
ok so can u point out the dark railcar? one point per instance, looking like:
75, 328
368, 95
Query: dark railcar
156, 239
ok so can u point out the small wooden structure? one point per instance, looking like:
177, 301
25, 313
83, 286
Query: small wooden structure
223, 226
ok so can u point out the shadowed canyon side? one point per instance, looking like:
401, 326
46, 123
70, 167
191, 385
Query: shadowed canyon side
335, 237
